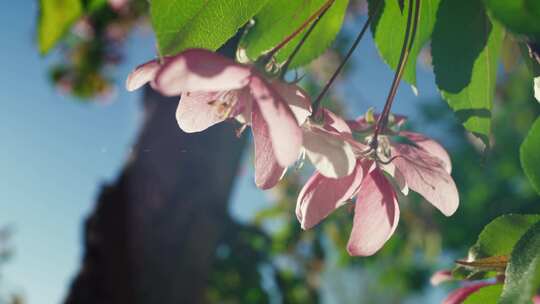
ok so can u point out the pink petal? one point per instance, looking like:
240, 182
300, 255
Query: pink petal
196, 112
335, 122
440, 276
297, 99
397, 177
401, 182
331, 155
376, 215
284, 131
267, 170
201, 70
243, 113
459, 295
430, 146
427, 176
536, 299
141, 75
321, 195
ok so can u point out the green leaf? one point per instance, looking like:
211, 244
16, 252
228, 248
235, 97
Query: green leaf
496, 240
530, 155
55, 19
388, 29
95, 5
465, 51
485, 295
499, 237
181, 24
280, 18
520, 16
523, 272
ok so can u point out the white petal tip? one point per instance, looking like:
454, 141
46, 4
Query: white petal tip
414, 90
536, 84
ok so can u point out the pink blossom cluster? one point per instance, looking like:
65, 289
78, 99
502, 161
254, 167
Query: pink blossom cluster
214, 88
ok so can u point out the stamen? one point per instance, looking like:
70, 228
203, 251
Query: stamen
225, 103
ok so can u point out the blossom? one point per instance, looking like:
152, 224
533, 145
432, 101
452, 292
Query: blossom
440, 276
461, 294
419, 164
215, 88
326, 145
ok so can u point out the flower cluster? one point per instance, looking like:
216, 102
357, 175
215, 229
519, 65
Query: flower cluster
348, 164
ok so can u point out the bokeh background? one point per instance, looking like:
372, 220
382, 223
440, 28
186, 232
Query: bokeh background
63, 140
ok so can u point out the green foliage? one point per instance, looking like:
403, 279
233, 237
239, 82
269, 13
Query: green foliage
494, 245
523, 272
280, 18
520, 16
181, 24
485, 295
465, 50
55, 19
94, 5
530, 155
500, 236
388, 28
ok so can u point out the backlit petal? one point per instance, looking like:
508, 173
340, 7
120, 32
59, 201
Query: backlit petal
284, 131
297, 99
335, 122
376, 215
427, 176
201, 70
397, 177
198, 111
321, 195
141, 75
331, 155
267, 170
430, 146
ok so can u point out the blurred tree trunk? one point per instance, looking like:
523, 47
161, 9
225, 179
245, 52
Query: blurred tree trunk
152, 236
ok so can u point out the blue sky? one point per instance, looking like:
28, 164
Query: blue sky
57, 152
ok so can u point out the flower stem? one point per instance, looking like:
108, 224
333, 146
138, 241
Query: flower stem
303, 40
317, 102
410, 34
287, 39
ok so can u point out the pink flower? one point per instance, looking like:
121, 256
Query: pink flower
215, 88
326, 145
461, 294
421, 165
441, 276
